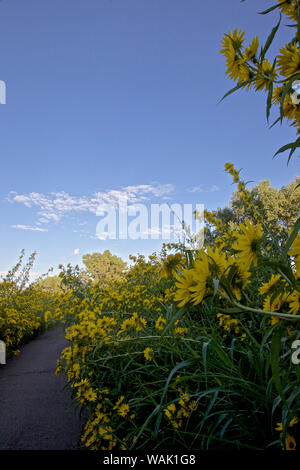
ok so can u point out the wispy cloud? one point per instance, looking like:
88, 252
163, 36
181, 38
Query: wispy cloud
196, 189
200, 189
214, 188
28, 227
51, 208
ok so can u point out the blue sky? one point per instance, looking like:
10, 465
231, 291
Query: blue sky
120, 96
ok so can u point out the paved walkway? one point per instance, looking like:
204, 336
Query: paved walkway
35, 412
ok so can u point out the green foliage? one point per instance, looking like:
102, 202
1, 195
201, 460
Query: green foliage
278, 208
104, 267
250, 68
25, 308
50, 284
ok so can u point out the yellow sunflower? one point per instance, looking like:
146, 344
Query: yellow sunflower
267, 286
294, 302
289, 108
248, 243
231, 49
183, 284
240, 279
148, 353
231, 40
265, 76
275, 305
218, 258
290, 9
251, 50
288, 60
169, 265
276, 98
200, 273
160, 323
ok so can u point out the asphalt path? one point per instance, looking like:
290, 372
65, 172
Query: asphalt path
35, 409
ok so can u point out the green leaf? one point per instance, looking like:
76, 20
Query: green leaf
290, 146
275, 122
204, 355
273, 8
283, 267
292, 237
230, 310
237, 87
222, 354
216, 286
173, 371
232, 272
270, 39
143, 427
173, 320
274, 359
226, 286
290, 154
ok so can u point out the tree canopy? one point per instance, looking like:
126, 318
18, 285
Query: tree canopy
278, 207
50, 284
104, 267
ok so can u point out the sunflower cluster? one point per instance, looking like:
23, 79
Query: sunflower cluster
24, 313
229, 271
242, 62
251, 69
125, 338
122, 322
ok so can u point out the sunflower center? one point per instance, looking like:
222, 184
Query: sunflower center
255, 245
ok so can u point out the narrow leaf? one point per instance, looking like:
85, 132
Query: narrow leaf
237, 87
270, 38
292, 237
273, 8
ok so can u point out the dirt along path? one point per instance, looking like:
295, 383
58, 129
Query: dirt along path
35, 411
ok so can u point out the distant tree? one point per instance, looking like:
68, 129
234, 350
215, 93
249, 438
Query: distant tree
278, 207
104, 267
19, 276
74, 279
51, 284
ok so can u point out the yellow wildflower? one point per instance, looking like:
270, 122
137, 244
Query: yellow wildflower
160, 323
288, 60
148, 353
248, 243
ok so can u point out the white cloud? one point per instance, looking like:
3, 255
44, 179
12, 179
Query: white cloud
196, 189
76, 251
54, 206
200, 189
28, 227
